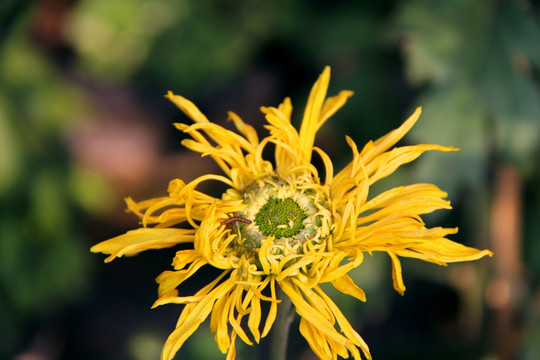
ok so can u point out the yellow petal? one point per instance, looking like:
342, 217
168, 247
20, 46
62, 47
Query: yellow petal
335, 270
184, 257
386, 163
255, 318
235, 322
231, 354
344, 324
197, 136
219, 323
271, 317
171, 299
306, 311
448, 251
328, 166
346, 285
373, 149
414, 199
404, 194
202, 293
286, 108
187, 107
320, 343
333, 104
191, 322
312, 114
135, 241
169, 280
397, 277
248, 130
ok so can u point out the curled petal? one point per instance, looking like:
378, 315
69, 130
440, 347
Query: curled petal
397, 276
333, 104
346, 285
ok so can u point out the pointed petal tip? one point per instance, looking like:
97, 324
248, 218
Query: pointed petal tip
346, 93
416, 113
96, 249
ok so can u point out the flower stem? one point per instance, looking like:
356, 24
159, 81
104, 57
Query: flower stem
280, 336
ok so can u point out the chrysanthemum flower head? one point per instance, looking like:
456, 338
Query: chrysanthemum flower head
279, 224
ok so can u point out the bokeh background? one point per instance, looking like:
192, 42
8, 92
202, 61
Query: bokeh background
83, 123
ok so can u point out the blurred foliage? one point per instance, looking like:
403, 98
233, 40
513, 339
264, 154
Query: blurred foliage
472, 65
9, 11
196, 47
43, 262
113, 38
188, 41
477, 62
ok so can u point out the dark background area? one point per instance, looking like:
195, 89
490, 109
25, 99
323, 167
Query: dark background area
83, 124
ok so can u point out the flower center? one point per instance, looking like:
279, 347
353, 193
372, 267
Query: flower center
280, 218
283, 220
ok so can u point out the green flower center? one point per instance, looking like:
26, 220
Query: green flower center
280, 218
294, 213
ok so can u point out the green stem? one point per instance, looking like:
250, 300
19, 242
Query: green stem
280, 331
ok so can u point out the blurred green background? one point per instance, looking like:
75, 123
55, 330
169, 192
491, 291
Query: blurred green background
83, 123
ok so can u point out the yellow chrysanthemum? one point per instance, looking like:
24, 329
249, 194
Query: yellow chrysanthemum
280, 225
